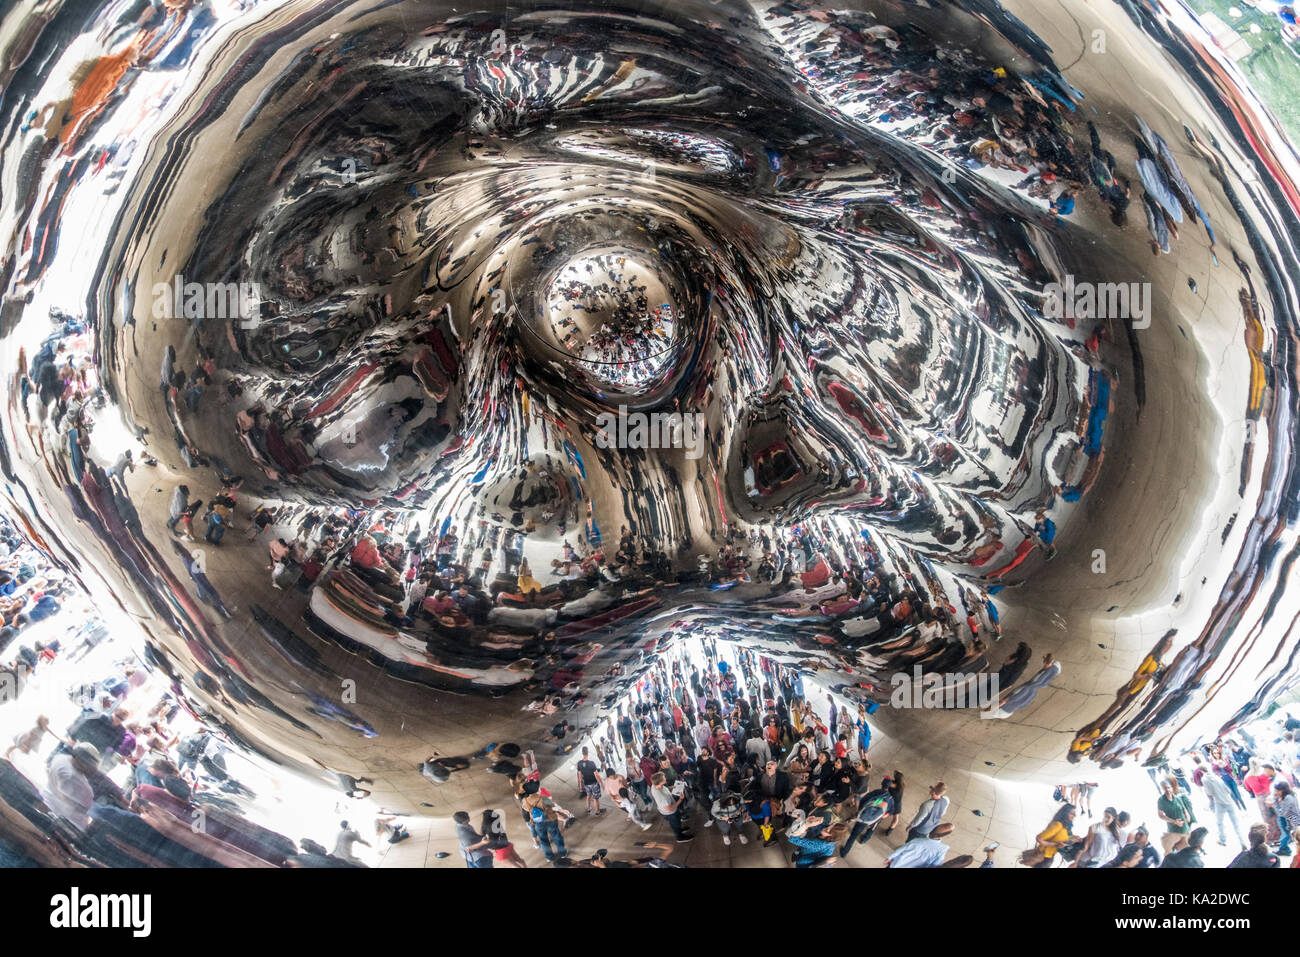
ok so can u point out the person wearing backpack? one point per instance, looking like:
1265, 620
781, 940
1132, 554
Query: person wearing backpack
543, 816
875, 807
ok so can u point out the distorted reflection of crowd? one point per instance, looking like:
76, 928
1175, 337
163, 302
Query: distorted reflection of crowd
134, 777
714, 736
1247, 777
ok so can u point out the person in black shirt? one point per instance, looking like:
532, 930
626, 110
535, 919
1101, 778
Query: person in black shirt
1190, 856
104, 731
1130, 856
707, 768
1258, 854
589, 783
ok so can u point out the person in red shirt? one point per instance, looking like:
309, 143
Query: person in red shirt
1260, 781
648, 768
366, 553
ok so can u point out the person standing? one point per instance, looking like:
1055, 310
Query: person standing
895, 792
707, 771
473, 845
1140, 843
1025, 695
625, 730
774, 784
875, 807
626, 802
1287, 807
544, 815
1176, 811
589, 783
1222, 804
1102, 842
69, 793
216, 520
494, 832
930, 813
813, 850
344, 841
1257, 855
669, 805
1056, 835
176, 510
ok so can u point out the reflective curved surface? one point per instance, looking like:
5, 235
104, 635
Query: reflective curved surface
503, 349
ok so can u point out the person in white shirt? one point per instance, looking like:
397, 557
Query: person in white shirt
1124, 824
928, 630
69, 794
1102, 843
1222, 805
759, 748
703, 733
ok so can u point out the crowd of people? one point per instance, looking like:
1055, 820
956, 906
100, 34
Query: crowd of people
629, 330
726, 738
109, 760
1240, 780
444, 586
1018, 127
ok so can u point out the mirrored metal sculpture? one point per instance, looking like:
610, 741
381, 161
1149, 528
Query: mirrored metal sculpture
469, 358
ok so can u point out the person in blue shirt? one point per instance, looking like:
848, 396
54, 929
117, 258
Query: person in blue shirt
45, 607
760, 812
817, 851
928, 851
1045, 529
1063, 205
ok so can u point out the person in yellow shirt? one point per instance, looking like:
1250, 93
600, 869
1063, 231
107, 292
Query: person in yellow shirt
1150, 665
1056, 835
528, 585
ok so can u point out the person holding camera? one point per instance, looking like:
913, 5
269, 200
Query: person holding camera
669, 802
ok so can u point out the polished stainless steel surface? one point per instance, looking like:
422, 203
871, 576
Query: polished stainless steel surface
996, 302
